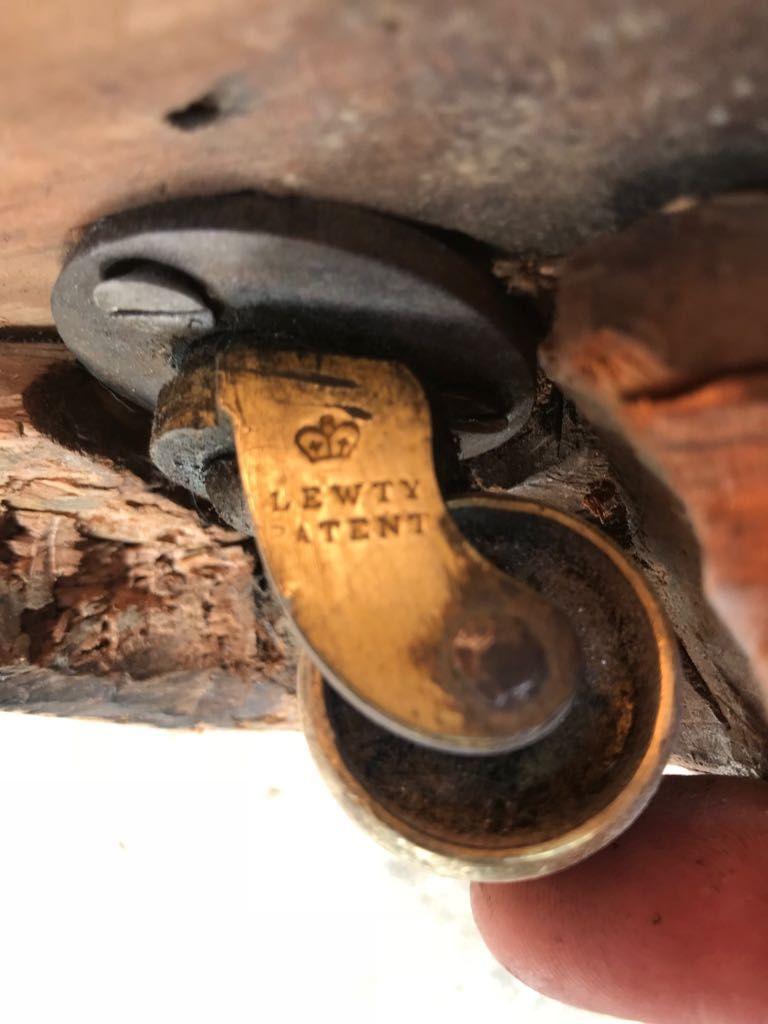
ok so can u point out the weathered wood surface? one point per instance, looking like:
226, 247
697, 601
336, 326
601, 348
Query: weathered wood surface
116, 600
528, 125
661, 341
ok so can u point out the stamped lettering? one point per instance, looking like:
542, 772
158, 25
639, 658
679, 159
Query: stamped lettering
346, 494
312, 497
358, 529
362, 511
416, 521
279, 501
382, 489
388, 525
329, 528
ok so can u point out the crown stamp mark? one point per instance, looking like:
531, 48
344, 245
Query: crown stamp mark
328, 439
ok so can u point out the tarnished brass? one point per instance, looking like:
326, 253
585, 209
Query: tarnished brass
536, 810
405, 617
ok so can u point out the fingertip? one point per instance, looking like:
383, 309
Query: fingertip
666, 924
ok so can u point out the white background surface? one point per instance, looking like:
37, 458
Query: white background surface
153, 876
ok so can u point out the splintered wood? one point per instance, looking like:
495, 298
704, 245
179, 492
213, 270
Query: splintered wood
661, 342
117, 601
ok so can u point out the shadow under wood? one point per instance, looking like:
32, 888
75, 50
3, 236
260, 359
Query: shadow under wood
68, 406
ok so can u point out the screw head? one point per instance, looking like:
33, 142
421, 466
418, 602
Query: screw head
154, 298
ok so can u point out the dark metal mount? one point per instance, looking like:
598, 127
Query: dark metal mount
148, 289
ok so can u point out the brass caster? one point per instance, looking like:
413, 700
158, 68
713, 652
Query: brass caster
533, 811
488, 685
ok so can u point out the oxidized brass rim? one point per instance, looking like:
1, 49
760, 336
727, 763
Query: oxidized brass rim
519, 862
